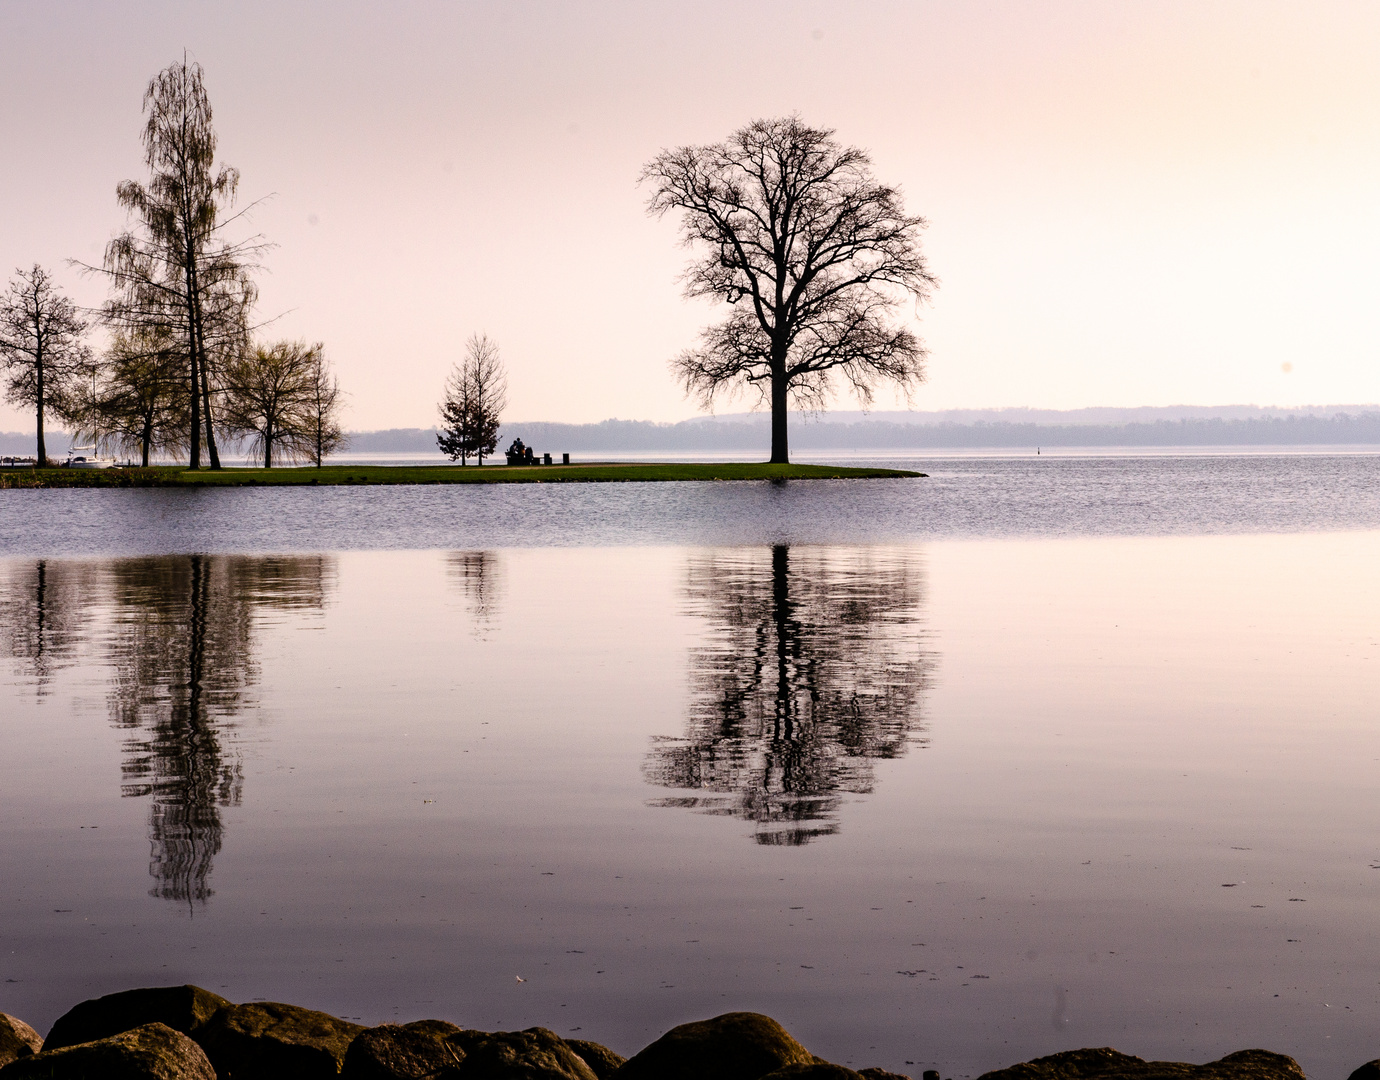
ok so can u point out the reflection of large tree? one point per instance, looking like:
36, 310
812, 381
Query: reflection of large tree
183, 657
181, 649
815, 667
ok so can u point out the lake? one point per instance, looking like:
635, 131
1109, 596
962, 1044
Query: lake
949, 773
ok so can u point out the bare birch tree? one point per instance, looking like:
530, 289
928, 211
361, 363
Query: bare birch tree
813, 255
41, 349
177, 272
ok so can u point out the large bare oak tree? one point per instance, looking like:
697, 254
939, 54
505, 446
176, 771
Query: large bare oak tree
41, 349
814, 255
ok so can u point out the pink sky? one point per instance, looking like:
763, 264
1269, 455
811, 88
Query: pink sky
1130, 204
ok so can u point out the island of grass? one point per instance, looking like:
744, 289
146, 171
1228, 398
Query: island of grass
613, 472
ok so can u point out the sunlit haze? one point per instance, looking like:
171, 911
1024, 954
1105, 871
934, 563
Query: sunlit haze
1143, 204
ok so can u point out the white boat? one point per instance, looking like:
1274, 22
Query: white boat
77, 460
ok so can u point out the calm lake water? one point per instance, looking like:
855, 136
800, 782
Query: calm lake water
1030, 755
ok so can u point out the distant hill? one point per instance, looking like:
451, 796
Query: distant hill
977, 429
1183, 425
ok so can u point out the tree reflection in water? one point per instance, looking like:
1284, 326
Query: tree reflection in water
181, 646
480, 577
43, 614
183, 653
816, 667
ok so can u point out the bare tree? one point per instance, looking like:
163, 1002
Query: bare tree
140, 402
322, 433
476, 395
267, 394
177, 272
813, 254
41, 349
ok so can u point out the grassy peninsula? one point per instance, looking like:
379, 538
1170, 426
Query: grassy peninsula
176, 476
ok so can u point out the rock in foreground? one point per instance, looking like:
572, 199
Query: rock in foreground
17, 1039
1108, 1064
534, 1054
182, 1008
402, 1051
734, 1046
603, 1061
266, 1040
150, 1052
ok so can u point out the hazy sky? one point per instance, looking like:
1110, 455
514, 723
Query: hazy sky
1129, 204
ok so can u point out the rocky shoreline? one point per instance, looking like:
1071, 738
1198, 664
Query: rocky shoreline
187, 1033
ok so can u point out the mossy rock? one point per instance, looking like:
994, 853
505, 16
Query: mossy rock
734, 1046
534, 1054
819, 1070
402, 1051
602, 1061
182, 1008
267, 1040
148, 1052
1104, 1063
17, 1039
1369, 1071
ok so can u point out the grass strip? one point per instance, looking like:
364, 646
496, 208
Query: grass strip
175, 476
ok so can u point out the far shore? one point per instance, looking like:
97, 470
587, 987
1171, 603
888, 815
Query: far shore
599, 472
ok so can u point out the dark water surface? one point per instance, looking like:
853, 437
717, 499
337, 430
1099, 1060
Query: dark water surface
943, 773
1070, 495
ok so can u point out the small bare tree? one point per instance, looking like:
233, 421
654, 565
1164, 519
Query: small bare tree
41, 349
322, 432
140, 402
476, 395
813, 254
268, 391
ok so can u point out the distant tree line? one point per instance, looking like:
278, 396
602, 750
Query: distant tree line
184, 370
1342, 429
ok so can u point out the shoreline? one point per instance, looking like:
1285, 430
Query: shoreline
336, 475
188, 1033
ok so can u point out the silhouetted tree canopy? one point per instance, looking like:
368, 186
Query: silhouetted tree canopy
41, 349
813, 254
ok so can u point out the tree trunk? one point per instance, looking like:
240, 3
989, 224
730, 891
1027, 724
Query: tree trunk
210, 434
147, 437
780, 454
42, 457
268, 446
206, 396
195, 460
